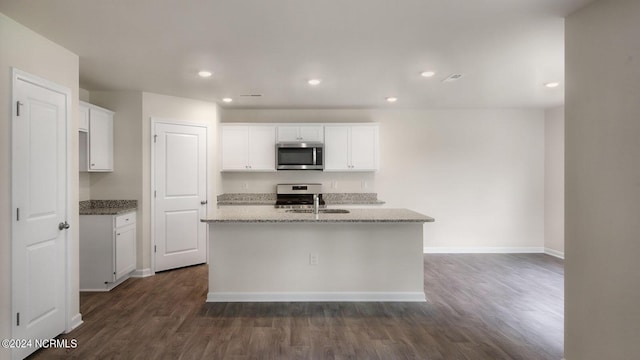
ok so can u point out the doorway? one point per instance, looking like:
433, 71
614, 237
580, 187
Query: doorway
179, 198
40, 202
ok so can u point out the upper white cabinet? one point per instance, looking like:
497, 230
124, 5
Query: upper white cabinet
96, 144
351, 147
300, 133
248, 148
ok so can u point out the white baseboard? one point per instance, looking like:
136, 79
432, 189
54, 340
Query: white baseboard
142, 273
483, 250
76, 321
95, 290
556, 253
316, 296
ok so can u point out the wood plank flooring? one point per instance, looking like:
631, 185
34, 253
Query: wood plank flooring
480, 306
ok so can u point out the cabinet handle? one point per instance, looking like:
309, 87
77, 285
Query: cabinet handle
118, 234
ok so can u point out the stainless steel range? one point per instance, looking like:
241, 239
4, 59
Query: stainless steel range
298, 196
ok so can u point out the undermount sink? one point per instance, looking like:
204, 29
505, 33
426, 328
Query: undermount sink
321, 211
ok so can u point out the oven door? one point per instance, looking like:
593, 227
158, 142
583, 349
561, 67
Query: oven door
299, 156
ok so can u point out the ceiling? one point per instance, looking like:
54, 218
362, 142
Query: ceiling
363, 50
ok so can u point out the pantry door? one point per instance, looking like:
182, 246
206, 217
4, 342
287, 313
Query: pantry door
179, 194
39, 201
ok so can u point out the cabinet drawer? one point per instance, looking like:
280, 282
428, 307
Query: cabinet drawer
125, 219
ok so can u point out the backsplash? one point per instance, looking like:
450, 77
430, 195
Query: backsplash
90, 204
270, 199
332, 182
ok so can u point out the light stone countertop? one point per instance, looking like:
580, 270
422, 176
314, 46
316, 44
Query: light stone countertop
250, 214
107, 207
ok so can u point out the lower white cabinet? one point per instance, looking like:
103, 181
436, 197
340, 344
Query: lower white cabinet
107, 250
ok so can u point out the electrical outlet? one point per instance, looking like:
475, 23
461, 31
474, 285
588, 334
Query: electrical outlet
334, 184
364, 184
313, 259
245, 185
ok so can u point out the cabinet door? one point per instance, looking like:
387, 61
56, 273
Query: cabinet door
336, 148
124, 251
100, 140
311, 133
83, 125
288, 134
262, 148
364, 148
235, 148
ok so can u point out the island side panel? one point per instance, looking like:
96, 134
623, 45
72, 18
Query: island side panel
356, 262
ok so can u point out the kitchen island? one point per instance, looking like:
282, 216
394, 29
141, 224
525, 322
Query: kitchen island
266, 254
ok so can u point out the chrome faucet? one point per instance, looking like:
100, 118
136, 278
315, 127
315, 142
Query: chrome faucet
316, 203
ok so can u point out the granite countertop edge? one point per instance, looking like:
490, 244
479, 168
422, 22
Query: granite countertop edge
255, 215
243, 221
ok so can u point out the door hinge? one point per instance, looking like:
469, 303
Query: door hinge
18, 104
155, 248
155, 138
18, 319
17, 214
155, 193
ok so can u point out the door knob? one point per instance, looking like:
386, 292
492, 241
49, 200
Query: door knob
63, 225
203, 202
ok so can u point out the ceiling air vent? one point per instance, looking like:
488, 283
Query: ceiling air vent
250, 95
452, 77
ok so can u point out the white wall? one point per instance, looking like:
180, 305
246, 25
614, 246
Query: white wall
130, 179
602, 291
125, 182
182, 110
480, 173
554, 181
30, 52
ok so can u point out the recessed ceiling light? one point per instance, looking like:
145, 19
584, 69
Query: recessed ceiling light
552, 84
205, 73
391, 99
427, 74
227, 100
314, 82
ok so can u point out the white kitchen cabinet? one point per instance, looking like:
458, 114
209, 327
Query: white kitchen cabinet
96, 144
300, 133
248, 148
351, 148
107, 250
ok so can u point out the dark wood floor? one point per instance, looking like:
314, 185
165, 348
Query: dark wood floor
481, 306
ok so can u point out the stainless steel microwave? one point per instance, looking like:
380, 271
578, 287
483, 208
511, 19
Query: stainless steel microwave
300, 156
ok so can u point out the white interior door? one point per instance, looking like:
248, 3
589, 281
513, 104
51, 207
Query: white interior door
39, 202
180, 178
